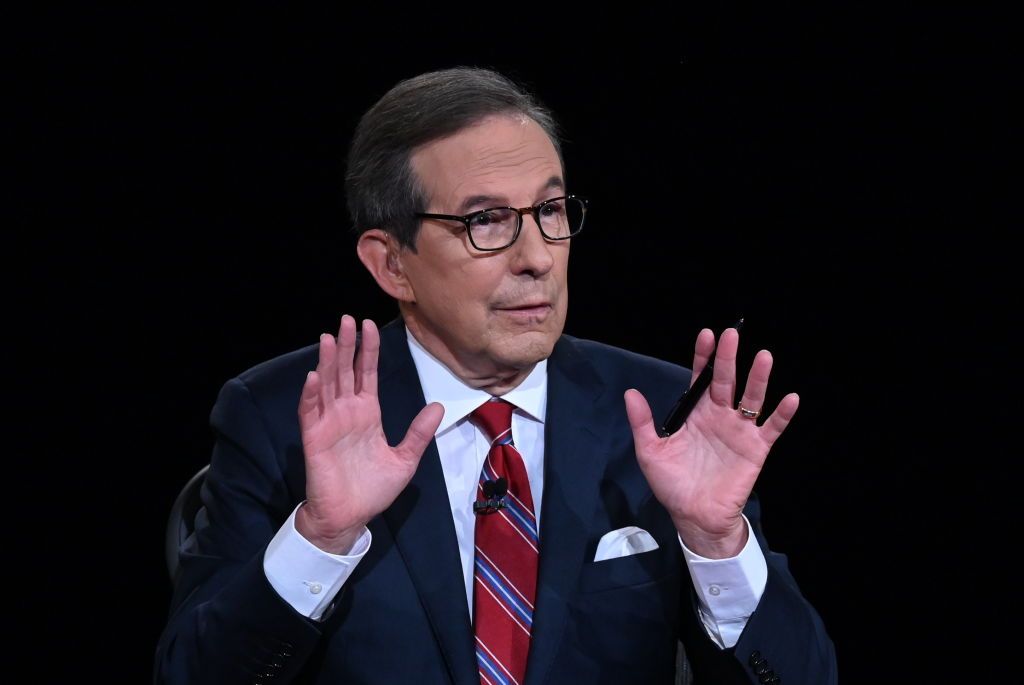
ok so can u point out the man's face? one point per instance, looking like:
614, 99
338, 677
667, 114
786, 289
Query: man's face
488, 315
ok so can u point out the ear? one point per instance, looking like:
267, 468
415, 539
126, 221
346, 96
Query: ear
382, 257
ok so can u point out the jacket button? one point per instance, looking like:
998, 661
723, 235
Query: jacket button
755, 656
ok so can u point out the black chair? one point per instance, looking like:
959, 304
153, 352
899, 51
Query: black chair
181, 524
182, 519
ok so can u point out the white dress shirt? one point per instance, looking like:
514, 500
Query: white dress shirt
308, 578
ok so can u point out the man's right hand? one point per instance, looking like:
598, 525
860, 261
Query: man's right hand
352, 474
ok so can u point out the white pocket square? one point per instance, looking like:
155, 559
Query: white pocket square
624, 542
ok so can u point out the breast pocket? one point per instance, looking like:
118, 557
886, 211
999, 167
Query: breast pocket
635, 569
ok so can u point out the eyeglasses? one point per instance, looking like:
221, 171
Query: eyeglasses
559, 218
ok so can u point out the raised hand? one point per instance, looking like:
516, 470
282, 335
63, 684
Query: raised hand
352, 473
704, 472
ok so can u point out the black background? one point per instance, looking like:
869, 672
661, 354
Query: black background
842, 177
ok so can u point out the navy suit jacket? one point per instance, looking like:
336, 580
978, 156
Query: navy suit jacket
402, 615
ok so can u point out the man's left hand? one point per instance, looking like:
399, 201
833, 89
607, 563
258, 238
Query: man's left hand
704, 472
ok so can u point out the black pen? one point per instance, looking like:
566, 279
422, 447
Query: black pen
688, 401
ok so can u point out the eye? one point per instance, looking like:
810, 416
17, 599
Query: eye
493, 219
553, 208
484, 219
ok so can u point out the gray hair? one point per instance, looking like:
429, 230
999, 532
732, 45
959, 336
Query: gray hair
380, 185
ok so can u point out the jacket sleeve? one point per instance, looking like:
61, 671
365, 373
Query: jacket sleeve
227, 624
783, 642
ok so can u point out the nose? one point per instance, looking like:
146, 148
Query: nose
532, 251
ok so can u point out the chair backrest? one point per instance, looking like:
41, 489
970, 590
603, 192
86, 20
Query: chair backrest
181, 520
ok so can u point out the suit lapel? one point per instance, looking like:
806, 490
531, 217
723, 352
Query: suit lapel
420, 519
573, 439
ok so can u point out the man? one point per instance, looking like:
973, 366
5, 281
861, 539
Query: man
468, 496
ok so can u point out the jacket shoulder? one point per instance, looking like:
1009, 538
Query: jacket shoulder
621, 369
283, 368
273, 386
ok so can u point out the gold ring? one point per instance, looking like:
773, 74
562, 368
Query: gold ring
749, 413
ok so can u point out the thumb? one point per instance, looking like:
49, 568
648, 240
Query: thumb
309, 401
421, 432
640, 421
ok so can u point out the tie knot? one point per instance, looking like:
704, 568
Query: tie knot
493, 418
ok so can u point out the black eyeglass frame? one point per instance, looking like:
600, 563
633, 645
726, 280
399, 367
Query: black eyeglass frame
534, 211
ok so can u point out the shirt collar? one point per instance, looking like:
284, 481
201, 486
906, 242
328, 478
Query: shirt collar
458, 399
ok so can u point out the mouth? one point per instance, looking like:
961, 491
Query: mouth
527, 311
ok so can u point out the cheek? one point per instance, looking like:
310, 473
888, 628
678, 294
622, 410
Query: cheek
463, 295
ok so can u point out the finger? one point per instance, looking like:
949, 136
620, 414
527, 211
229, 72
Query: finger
723, 381
346, 350
421, 432
310, 408
641, 421
757, 381
780, 418
366, 364
702, 350
325, 368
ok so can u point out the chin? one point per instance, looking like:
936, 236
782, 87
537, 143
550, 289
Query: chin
526, 349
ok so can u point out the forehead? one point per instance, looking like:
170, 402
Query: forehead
506, 159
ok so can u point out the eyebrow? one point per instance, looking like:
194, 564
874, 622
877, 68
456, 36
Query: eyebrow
467, 205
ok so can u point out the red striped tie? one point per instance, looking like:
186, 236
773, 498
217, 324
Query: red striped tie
505, 573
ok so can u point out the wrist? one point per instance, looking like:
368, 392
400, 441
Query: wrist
713, 544
330, 538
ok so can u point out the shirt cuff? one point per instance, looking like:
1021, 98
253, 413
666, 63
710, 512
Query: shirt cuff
728, 590
305, 576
